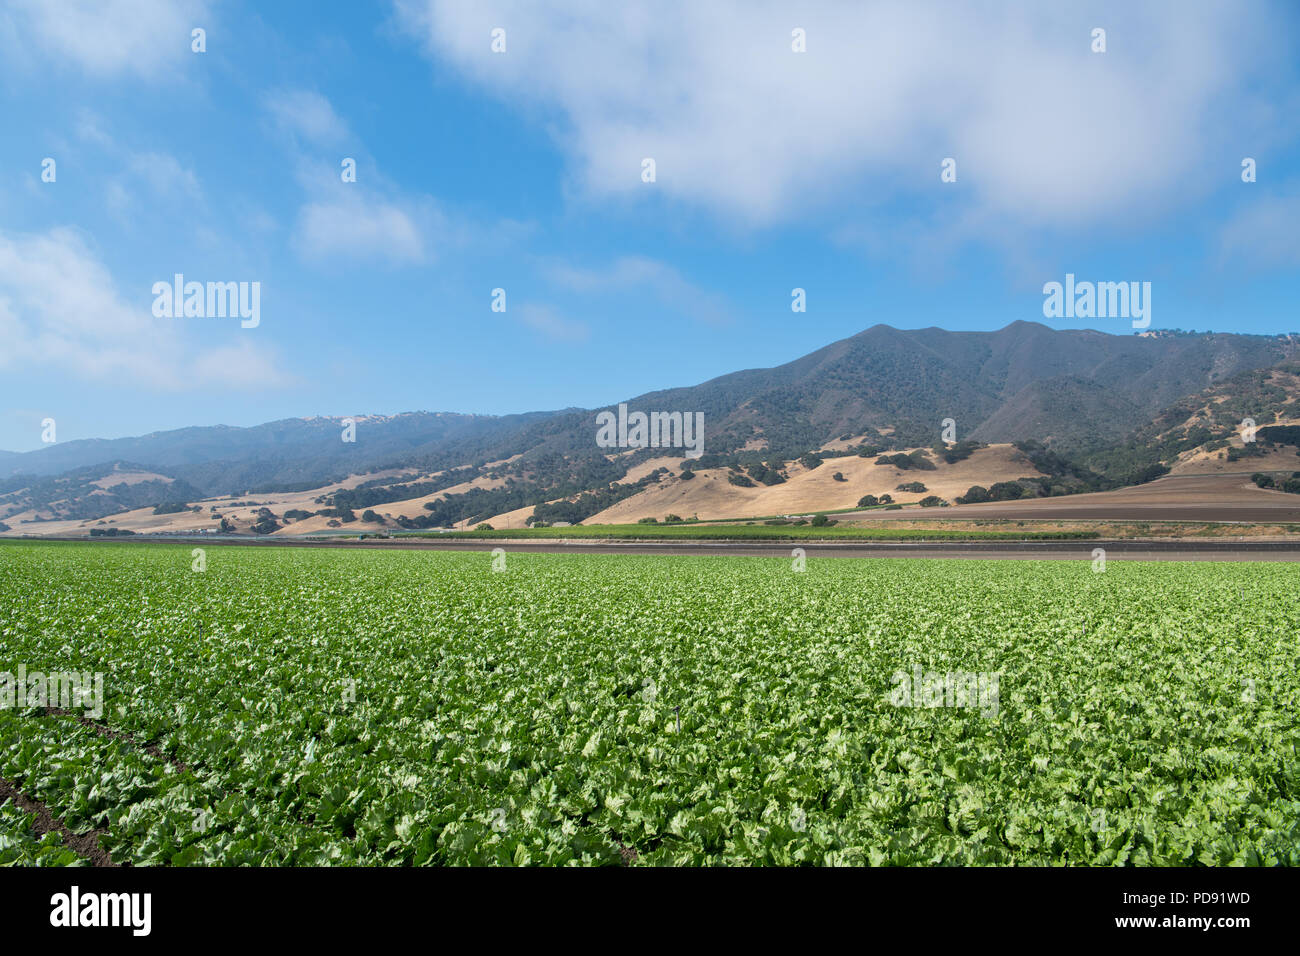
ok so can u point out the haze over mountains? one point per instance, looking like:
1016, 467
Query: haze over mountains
1082, 394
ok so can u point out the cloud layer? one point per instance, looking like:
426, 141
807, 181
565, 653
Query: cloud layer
630, 273
1045, 131
61, 311
108, 37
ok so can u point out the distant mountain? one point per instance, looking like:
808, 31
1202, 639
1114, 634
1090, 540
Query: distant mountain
1090, 397
94, 491
1207, 420
306, 451
1070, 389
1074, 391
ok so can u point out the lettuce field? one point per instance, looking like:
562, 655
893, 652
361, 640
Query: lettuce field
316, 706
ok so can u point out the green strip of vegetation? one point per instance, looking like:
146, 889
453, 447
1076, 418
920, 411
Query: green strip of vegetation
811, 513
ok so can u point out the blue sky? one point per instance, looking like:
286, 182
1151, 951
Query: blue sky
521, 170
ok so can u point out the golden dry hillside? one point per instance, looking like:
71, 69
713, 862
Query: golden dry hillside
711, 495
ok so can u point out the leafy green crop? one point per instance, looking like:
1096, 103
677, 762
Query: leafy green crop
22, 845
301, 706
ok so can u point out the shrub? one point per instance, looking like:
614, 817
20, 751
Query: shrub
958, 451
916, 459
265, 525
484, 526
821, 521
1255, 449
839, 476
933, 501
647, 521
765, 474
915, 487
1008, 491
1149, 473
1281, 434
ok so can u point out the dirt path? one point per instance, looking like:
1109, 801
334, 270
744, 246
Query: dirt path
1131, 549
85, 845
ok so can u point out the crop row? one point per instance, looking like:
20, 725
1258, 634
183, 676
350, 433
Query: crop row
297, 706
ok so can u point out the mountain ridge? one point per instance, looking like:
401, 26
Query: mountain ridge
1079, 393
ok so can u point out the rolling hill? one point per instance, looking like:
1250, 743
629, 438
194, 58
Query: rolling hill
1088, 409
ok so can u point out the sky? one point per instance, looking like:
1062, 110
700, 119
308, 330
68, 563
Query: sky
502, 146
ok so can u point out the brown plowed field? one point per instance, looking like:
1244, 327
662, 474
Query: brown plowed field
1173, 498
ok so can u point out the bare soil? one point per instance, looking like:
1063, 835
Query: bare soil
85, 845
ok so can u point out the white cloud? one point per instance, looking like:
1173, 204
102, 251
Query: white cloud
549, 323
307, 115
355, 227
105, 37
632, 272
1045, 131
340, 222
90, 127
117, 198
163, 176
61, 311
160, 174
242, 365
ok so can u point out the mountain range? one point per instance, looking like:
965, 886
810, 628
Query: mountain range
1103, 404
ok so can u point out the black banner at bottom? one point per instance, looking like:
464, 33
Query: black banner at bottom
338, 905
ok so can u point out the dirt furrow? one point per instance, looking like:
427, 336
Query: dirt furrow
85, 845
